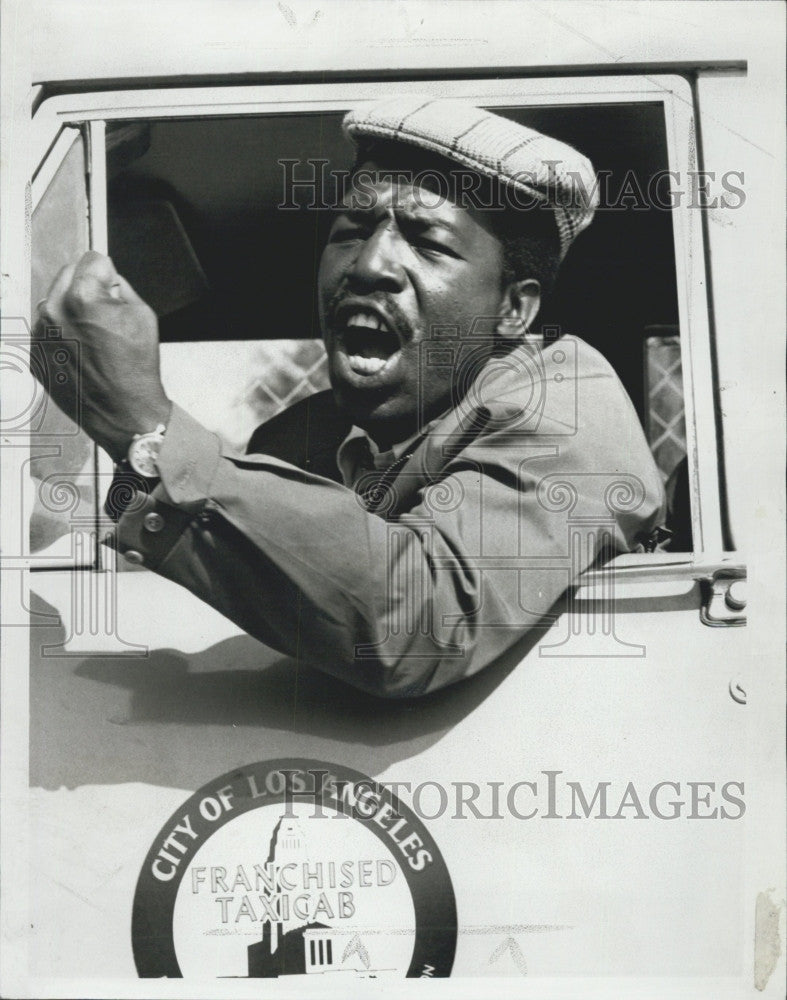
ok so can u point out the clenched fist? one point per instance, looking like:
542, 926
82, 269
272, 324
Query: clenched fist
111, 339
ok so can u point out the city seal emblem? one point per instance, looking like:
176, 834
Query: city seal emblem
294, 867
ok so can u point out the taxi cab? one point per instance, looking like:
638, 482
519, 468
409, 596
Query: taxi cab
563, 792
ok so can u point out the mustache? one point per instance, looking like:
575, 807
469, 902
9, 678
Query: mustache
387, 303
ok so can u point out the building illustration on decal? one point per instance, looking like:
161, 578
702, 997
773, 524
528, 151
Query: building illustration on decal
292, 945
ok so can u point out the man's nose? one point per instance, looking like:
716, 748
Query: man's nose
377, 266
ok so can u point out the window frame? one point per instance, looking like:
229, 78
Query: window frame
91, 111
78, 548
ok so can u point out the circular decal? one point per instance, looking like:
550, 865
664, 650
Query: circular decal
290, 868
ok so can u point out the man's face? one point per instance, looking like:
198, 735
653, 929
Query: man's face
393, 275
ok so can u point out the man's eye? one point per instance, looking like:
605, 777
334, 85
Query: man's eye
346, 234
431, 248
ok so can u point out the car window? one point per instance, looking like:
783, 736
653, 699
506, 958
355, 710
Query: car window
201, 221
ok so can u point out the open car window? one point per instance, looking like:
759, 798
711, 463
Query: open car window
195, 184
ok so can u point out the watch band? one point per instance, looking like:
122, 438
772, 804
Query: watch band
128, 491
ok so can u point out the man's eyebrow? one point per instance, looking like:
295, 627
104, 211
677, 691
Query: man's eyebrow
411, 216
356, 213
414, 217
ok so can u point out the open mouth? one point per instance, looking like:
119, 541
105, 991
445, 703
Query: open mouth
368, 341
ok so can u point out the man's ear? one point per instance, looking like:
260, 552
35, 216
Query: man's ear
519, 308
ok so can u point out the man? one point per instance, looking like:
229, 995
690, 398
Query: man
418, 522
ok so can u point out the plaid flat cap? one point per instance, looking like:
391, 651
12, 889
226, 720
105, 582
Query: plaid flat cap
542, 168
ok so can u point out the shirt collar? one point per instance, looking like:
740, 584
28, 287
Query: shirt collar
358, 453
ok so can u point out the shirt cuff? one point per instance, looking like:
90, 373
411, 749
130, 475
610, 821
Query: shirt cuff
187, 461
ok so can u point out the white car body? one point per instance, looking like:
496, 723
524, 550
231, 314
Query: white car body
653, 682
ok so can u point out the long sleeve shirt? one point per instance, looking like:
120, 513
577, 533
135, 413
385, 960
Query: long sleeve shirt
486, 518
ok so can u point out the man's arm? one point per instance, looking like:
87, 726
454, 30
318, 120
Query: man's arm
397, 607
405, 606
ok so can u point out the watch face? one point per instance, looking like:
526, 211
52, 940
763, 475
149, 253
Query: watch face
143, 454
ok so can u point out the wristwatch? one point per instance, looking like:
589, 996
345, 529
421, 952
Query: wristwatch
144, 450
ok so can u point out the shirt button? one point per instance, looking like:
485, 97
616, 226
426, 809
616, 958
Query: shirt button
153, 522
133, 557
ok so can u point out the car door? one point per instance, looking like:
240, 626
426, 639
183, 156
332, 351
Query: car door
530, 776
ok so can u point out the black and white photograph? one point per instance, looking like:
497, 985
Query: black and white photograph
393, 511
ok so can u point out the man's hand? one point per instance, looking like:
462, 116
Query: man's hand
111, 338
